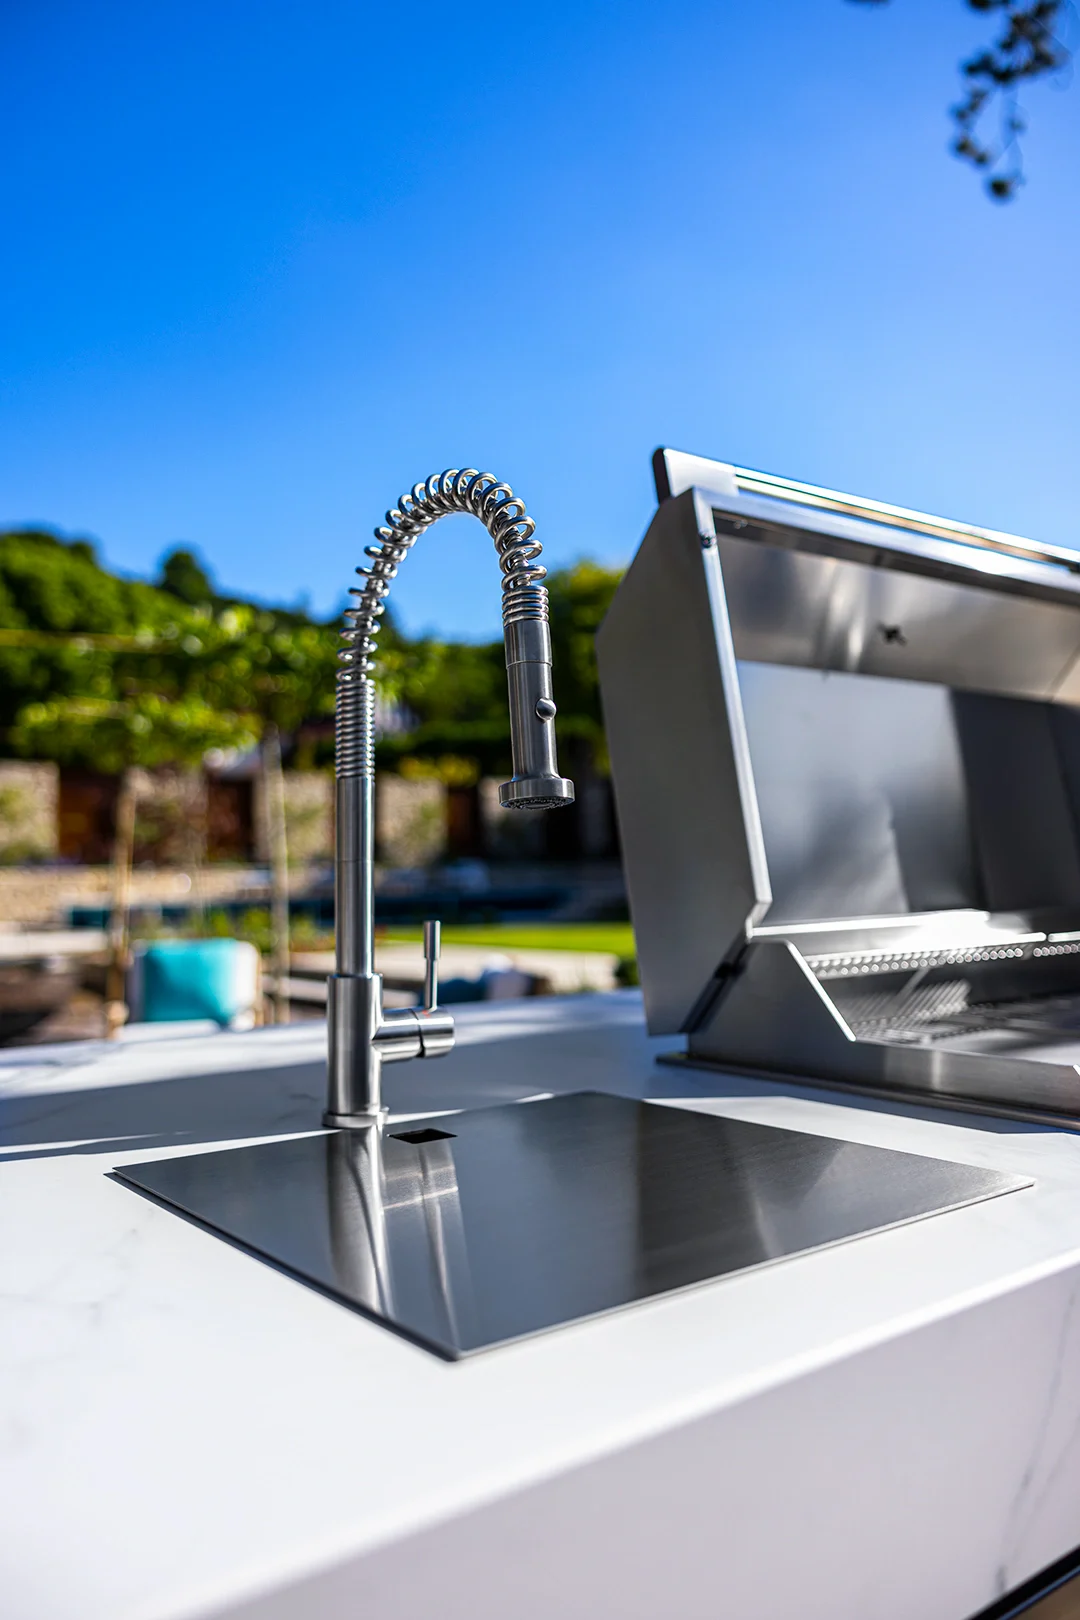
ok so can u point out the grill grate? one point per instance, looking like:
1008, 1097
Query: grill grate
859, 964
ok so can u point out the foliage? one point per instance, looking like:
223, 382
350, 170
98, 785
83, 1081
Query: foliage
627, 973
108, 672
46, 586
254, 925
305, 934
450, 769
439, 682
183, 575
141, 730
1026, 49
580, 597
456, 692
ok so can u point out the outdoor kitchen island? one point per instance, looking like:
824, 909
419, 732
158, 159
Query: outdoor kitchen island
887, 1428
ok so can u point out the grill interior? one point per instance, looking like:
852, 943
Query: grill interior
1023, 993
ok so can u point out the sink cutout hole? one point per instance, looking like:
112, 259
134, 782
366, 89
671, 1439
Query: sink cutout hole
419, 1137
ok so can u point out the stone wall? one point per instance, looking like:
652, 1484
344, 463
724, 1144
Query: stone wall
29, 800
309, 817
170, 817
31, 896
410, 820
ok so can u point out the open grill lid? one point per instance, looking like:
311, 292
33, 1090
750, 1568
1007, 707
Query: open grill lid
850, 713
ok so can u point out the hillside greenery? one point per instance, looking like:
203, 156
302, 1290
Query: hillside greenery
104, 672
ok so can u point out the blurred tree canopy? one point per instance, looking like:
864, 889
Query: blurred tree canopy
139, 730
105, 672
1028, 47
108, 672
455, 692
183, 575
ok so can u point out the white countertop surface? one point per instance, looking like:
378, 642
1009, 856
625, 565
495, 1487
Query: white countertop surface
886, 1430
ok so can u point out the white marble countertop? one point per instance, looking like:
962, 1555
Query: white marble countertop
885, 1430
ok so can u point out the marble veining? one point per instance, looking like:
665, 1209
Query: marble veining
1052, 1473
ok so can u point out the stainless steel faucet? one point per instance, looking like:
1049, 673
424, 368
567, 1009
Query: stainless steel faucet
363, 1035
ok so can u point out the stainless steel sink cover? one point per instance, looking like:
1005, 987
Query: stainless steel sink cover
472, 1229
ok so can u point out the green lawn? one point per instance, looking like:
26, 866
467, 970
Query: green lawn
585, 936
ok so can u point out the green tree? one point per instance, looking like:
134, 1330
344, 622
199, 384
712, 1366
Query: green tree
183, 575
141, 730
456, 691
94, 656
62, 619
580, 597
108, 672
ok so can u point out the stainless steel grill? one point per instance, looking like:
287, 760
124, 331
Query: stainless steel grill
845, 739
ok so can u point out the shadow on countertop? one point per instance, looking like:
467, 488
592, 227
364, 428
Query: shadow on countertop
522, 1049
502, 1057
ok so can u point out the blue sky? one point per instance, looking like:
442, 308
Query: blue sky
266, 264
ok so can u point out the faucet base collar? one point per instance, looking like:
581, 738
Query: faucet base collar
356, 1122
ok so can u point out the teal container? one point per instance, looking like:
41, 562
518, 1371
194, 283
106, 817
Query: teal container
201, 978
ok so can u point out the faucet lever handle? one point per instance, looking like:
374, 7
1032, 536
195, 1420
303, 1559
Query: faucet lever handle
432, 934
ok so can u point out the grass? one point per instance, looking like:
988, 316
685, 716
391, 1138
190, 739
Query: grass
616, 937
254, 925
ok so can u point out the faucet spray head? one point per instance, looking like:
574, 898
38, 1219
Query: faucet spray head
536, 793
536, 783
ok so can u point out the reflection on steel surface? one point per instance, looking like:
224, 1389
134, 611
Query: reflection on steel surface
502, 1222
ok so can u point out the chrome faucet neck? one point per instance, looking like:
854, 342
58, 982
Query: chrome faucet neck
362, 1035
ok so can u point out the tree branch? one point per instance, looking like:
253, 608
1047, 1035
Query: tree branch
1028, 48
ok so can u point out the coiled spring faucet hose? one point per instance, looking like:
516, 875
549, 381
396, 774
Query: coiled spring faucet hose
361, 1035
